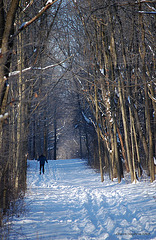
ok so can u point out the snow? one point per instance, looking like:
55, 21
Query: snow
147, 12
102, 71
86, 119
70, 202
17, 72
49, 1
26, 7
3, 117
38, 68
22, 25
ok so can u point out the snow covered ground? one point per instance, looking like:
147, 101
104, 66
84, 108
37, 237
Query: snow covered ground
70, 202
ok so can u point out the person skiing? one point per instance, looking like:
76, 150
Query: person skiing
42, 159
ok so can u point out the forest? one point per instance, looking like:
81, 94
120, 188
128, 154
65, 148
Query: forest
77, 80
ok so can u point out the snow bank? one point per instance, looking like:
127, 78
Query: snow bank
70, 202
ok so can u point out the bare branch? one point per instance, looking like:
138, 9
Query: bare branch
151, 97
26, 24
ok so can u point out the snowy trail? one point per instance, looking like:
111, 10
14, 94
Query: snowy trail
70, 202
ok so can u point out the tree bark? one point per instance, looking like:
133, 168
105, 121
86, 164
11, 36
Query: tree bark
98, 132
124, 119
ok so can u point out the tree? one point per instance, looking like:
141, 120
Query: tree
17, 57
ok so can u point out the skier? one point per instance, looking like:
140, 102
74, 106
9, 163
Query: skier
42, 160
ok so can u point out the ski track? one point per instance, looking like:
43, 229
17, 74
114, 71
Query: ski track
70, 202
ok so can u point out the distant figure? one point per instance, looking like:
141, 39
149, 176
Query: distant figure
42, 160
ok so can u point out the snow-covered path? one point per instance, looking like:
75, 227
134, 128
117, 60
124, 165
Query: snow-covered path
70, 202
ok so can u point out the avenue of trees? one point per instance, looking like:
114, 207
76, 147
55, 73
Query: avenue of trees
77, 79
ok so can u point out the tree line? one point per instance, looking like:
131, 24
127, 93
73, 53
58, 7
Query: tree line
120, 86
87, 63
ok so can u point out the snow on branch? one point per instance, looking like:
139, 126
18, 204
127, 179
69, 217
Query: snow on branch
4, 116
40, 12
135, 3
86, 119
151, 93
39, 68
49, 1
151, 7
144, 1
56, 64
144, 12
153, 98
27, 6
17, 72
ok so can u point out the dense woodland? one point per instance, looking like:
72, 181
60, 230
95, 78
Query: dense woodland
77, 80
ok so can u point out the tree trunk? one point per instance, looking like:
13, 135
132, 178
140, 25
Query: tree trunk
132, 142
98, 132
117, 159
124, 119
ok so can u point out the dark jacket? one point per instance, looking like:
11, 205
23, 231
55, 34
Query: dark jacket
42, 159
